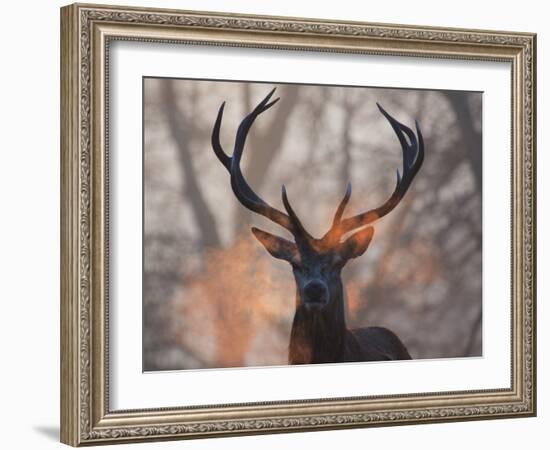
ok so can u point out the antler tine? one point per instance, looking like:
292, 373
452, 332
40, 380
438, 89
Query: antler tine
224, 158
246, 123
413, 157
301, 231
240, 139
333, 234
413, 153
340, 211
241, 188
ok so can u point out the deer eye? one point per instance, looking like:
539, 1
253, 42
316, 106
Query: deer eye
338, 261
295, 262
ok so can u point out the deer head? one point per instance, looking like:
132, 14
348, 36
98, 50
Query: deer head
316, 263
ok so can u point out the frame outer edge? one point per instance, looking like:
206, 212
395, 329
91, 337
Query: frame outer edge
533, 137
80, 386
70, 299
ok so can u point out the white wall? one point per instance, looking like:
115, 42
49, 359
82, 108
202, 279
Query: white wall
29, 237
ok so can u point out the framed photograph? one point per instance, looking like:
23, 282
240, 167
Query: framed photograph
275, 224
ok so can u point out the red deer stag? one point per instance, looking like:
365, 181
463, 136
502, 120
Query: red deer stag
319, 333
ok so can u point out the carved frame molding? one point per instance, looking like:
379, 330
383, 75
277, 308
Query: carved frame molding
86, 31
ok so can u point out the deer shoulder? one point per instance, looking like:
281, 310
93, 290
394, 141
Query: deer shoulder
375, 344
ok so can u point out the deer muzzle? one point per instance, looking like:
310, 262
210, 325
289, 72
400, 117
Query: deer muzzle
315, 295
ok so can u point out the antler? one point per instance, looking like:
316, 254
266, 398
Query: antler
413, 156
241, 188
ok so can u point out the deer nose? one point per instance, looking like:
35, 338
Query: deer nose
315, 294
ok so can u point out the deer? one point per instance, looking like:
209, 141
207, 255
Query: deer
319, 333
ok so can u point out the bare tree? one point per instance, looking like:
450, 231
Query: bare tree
181, 129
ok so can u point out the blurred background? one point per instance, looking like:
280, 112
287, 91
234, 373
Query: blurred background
213, 297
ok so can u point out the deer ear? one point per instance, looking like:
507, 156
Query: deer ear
276, 246
356, 244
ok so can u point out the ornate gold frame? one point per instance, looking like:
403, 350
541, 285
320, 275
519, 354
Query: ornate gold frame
86, 31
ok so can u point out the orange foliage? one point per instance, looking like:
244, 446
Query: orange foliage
237, 296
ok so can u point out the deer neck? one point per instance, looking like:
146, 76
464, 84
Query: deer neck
318, 337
